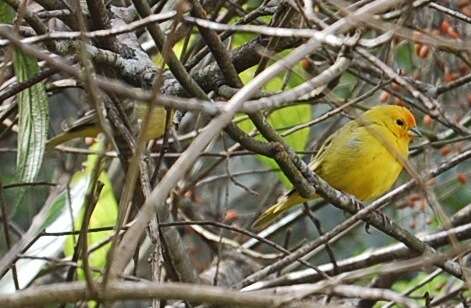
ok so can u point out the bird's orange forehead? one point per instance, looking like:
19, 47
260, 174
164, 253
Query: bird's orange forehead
409, 118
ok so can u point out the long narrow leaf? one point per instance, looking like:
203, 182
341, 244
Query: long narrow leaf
33, 120
33, 115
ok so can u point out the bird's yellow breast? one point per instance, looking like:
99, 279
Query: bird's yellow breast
157, 120
360, 161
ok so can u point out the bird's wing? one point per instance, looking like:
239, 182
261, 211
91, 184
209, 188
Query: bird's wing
331, 143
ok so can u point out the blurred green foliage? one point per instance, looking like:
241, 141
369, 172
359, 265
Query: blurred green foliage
104, 215
283, 118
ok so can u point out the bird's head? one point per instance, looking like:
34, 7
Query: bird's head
398, 119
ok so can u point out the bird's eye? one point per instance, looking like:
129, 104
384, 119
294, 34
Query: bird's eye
399, 122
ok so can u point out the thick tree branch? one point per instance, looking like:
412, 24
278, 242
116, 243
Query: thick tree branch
77, 291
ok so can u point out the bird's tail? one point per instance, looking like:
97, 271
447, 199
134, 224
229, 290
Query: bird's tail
85, 131
286, 202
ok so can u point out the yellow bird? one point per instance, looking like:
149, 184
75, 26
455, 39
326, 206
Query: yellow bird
87, 126
363, 158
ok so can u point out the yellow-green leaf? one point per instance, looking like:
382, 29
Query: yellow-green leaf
104, 215
282, 119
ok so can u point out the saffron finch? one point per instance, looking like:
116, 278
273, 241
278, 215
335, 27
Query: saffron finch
87, 125
363, 158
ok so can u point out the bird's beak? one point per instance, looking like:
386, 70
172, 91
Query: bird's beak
414, 132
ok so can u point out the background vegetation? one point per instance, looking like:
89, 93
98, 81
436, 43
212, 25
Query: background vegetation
251, 89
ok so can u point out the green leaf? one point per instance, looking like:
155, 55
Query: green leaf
33, 120
403, 55
282, 119
71, 198
58, 218
345, 86
33, 115
104, 215
240, 39
433, 288
6, 13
